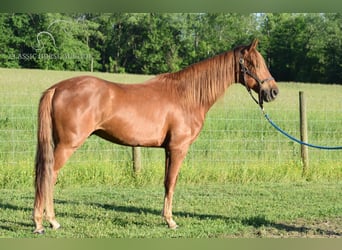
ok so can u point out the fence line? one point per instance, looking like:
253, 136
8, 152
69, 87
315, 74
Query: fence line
234, 134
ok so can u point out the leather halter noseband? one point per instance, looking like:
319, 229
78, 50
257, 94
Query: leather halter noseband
245, 71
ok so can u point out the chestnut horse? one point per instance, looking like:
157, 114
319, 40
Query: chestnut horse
166, 111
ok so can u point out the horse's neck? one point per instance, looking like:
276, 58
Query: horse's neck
200, 85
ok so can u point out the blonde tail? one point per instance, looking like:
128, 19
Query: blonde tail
44, 156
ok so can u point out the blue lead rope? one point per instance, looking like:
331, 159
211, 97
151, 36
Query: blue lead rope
260, 104
295, 139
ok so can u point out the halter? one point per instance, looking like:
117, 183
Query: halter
244, 71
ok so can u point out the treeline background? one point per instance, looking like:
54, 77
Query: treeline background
297, 47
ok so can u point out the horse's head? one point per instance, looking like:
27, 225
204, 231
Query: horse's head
254, 74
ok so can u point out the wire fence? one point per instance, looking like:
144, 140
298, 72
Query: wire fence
235, 132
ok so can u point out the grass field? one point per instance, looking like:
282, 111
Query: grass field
241, 178
203, 211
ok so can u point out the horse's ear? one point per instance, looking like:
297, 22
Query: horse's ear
254, 44
250, 47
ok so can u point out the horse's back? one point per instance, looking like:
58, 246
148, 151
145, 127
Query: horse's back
132, 114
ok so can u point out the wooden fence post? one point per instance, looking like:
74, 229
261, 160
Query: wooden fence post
303, 132
136, 155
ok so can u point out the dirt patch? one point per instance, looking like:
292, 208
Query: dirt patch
301, 229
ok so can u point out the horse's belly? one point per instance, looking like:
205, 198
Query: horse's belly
134, 132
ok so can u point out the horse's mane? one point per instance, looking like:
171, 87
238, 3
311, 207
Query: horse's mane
202, 83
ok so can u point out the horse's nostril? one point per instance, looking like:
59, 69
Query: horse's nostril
274, 93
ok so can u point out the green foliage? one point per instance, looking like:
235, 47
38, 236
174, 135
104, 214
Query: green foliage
304, 47
297, 47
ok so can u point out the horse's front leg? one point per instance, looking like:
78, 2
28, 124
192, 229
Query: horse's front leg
173, 162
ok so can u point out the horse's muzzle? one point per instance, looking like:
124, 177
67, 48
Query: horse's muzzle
269, 94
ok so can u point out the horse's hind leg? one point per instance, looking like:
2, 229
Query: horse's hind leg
62, 153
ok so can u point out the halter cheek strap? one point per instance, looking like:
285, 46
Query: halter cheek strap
245, 71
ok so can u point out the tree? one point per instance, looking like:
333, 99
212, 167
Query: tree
160, 42
297, 47
15, 39
333, 48
9, 53
304, 47
67, 42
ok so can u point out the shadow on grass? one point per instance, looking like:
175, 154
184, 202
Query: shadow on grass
255, 221
258, 222
11, 224
8, 206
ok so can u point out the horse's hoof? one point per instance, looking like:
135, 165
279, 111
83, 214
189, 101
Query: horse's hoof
173, 226
171, 223
56, 228
39, 231
55, 225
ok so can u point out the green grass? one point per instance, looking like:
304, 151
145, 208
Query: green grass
206, 211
